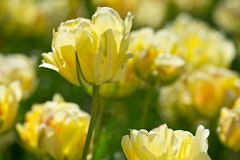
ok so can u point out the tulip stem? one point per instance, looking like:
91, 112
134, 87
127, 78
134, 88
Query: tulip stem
94, 111
146, 107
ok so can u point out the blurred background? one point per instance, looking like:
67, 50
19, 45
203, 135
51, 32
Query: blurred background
26, 28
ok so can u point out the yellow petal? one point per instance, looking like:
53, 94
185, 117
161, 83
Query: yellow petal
106, 18
106, 58
127, 148
86, 45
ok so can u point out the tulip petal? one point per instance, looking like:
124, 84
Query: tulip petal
106, 58
49, 62
106, 18
128, 23
127, 148
49, 143
200, 143
86, 45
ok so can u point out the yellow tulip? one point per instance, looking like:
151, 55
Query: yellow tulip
211, 88
153, 56
48, 126
10, 97
229, 127
162, 143
202, 44
91, 52
18, 67
227, 15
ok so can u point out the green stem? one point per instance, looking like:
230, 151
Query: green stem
146, 107
100, 115
94, 111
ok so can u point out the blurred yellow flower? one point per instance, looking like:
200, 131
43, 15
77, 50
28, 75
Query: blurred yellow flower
168, 68
202, 44
212, 88
227, 15
162, 143
48, 126
91, 52
229, 126
175, 105
20, 16
10, 97
198, 96
157, 11
19, 67
153, 57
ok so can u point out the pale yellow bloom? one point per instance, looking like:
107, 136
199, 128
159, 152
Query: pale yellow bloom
18, 67
20, 16
10, 96
168, 68
56, 128
202, 44
162, 143
153, 56
156, 10
175, 104
91, 52
229, 126
211, 88
227, 15
198, 96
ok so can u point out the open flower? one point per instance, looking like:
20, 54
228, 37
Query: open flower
18, 67
212, 88
10, 97
91, 52
162, 143
49, 126
202, 44
227, 15
229, 126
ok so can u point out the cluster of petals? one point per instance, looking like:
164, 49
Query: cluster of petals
163, 143
48, 127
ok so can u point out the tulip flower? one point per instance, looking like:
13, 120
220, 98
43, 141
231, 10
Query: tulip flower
18, 67
10, 97
229, 126
91, 52
56, 128
211, 88
201, 44
156, 56
162, 143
